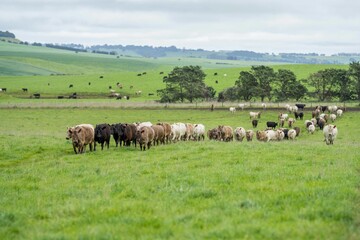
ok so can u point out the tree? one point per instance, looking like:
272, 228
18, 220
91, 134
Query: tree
354, 72
185, 83
325, 83
264, 76
247, 85
288, 86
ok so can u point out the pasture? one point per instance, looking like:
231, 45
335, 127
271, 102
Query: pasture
300, 189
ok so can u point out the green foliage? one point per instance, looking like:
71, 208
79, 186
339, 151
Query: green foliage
300, 189
354, 71
185, 83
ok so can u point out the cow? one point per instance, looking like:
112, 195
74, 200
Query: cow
24, 89
321, 123
159, 134
280, 135
261, 136
285, 131
189, 131
254, 115
60, 97
36, 95
3, 89
102, 135
118, 133
283, 116
281, 122
167, 131
297, 130
292, 134
71, 85
239, 133
300, 106
129, 134
213, 134
332, 109
141, 124
332, 117
81, 135
311, 128
299, 115
291, 121
271, 135
330, 133
263, 105
254, 123
249, 135
226, 133
339, 112
272, 125
232, 109
199, 132
242, 106
145, 136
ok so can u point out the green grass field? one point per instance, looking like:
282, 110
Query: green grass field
300, 189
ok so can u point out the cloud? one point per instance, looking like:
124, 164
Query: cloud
257, 25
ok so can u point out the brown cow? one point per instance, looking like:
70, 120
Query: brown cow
81, 136
226, 133
144, 136
189, 131
167, 130
261, 136
213, 134
159, 134
130, 134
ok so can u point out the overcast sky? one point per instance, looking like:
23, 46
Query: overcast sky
273, 26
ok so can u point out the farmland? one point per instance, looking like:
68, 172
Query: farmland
300, 189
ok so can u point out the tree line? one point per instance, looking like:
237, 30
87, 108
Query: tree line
264, 83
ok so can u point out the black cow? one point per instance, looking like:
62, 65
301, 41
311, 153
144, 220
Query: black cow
102, 135
215, 74
323, 108
285, 130
71, 85
3, 89
89, 83
36, 95
216, 81
254, 123
60, 97
24, 89
300, 105
139, 74
272, 125
117, 131
161, 73
150, 94
299, 115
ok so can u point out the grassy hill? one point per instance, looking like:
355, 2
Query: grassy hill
50, 71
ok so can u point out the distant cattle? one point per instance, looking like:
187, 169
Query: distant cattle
254, 115
110, 87
24, 89
150, 94
101, 77
36, 95
232, 109
60, 97
139, 74
242, 106
263, 105
216, 81
213, 134
299, 115
161, 73
339, 112
71, 85
215, 74
89, 83
3, 89
102, 135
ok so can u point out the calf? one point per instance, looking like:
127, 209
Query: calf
102, 135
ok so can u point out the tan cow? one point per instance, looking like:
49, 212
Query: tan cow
82, 135
167, 130
145, 136
159, 134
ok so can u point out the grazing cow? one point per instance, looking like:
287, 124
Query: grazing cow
330, 133
226, 133
89, 83
81, 135
332, 117
159, 134
308, 123
272, 125
3, 89
232, 109
178, 131
292, 134
280, 135
102, 135
216, 81
199, 132
213, 134
139, 74
24, 89
254, 123
150, 94
71, 85
239, 133
283, 116
282, 122
263, 105
242, 106
145, 136
285, 131
249, 135
60, 97
311, 128
293, 109
167, 130
101, 77
161, 73
215, 74
255, 115
138, 92
36, 95
271, 135
332, 109
300, 106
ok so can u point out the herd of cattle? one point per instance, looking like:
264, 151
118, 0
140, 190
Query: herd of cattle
146, 134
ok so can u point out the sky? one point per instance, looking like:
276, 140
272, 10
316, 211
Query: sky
271, 26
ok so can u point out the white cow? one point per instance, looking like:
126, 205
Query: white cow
339, 112
239, 133
311, 129
242, 106
255, 115
291, 134
232, 109
330, 133
199, 132
332, 117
